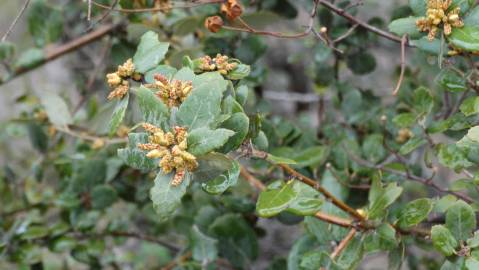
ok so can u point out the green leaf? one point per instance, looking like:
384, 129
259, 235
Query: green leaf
470, 106
279, 160
311, 157
239, 123
56, 108
411, 145
404, 120
38, 137
45, 23
451, 81
307, 202
118, 114
465, 38
153, 110
29, 59
423, 101
351, 256
204, 140
150, 52
34, 232
223, 181
377, 207
204, 248
419, 7
297, 252
211, 166
239, 72
414, 212
164, 70
203, 106
273, 202
434, 47
383, 238
443, 240
373, 148
444, 203
242, 94
166, 198
236, 239
103, 196
134, 157
472, 263
453, 157
473, 242
405, 26
472, 18
461, 220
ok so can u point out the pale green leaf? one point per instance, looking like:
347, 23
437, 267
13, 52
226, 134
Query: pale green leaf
150, 52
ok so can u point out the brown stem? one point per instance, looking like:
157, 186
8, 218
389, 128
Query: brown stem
341, 12
141, 10
247, 28
342, 245
310, 182
403, 64
58, 51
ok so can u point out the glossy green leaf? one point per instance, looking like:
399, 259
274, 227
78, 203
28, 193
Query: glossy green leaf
166, 198
472, 263
307, 202
405, 26
470, 106
150, 52
443, 240
311, 157
204, 248
239, 72
453, 157
29, 59
378, 207
204, 140
418, 7
404, 120
153, 110
414, 212
223, 181
279, 160
383, 238
134, 157
238, 123
56, 108
411, 145
465, 38
461, 220
203, 106
272, 202
118, 114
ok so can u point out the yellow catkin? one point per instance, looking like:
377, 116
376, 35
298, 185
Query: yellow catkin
171, 148
438, 14
118, 80
171, 92
220, 63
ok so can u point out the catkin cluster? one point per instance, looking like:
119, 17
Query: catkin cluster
118, 80
220, 63
173, 92
438, 13
171, 148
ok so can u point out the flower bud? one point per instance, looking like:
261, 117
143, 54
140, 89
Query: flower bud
214, 23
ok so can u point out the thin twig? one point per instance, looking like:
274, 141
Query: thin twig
102, 17
346, 34
142, 10
407, 175
87, 137
12, 25
247, 28
342, 245
89, 11
341, 12
403, 64
58, 51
